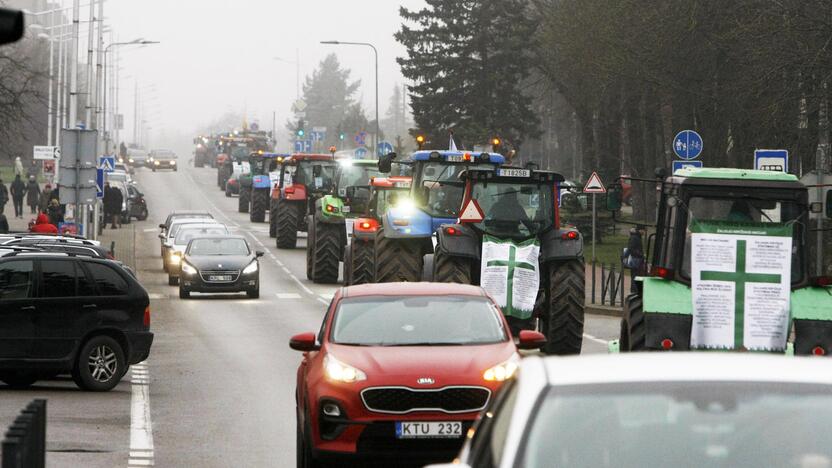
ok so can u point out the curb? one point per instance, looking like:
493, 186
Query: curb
608, 311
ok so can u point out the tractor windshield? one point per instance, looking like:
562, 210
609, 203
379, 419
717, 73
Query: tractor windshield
440, 181
352, 175
263, 165
744, 210
515, 209
239, 153
315, 175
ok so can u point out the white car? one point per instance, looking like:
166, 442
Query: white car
176, 249
169, 235
658, 409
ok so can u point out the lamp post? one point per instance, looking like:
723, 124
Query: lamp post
375, 51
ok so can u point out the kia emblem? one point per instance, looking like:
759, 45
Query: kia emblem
425, 381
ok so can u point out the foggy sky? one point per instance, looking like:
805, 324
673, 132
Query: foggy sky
217, 55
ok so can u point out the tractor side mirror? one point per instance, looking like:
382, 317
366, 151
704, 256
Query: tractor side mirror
12, 25
385, 163
829, 204
614, 198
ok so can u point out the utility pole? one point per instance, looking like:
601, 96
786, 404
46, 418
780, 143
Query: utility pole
73, 64
99, 89
90, 81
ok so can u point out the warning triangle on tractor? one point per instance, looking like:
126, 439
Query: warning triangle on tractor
594, 184
472, 213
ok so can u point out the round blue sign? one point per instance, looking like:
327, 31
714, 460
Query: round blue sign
688, 144
361, 153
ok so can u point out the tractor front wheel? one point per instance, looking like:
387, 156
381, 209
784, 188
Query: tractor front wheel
564, 324
324, 248
633, 332
397, 259
287, 222
259, 202
450, 269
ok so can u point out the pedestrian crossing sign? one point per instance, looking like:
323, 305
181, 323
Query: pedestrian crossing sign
107, 163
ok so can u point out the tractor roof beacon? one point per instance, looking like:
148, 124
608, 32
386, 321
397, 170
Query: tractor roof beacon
520, 205
359, 254
326, 231
660, 315
404, 237
303, 179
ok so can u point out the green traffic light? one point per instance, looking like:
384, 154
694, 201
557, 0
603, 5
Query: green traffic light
301, 133
341, 136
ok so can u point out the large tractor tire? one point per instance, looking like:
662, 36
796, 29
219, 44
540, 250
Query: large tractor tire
287, 220
564, 325
325, 249
361, 263
633, 333
272, 218
243, 201
259, 203
397, 260
450, 269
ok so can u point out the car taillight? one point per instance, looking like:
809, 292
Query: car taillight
663, 272
452, 231
146, 316
569, 235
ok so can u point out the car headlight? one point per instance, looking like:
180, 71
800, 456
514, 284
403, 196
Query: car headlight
251, 268
175, 258
173, 163
339, 372
503, 371
156, 162
188, 269
132, 160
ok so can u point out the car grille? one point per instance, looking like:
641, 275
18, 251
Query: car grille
400, 400
209, 273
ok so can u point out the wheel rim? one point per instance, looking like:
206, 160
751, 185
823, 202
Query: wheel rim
102, 363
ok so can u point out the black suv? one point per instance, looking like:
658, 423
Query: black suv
61, 313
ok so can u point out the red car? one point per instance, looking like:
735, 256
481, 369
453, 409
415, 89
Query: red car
401, 370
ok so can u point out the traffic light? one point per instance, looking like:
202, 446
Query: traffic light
301, 132
342, 136
420, 140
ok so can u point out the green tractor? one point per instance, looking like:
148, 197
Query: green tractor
256, 185
729, 268
328, 222
509, 240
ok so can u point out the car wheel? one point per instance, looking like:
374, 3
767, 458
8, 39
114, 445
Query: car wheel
253, 293
143, 215
303, 451
100, 365
17, 380
173, 280
184, 293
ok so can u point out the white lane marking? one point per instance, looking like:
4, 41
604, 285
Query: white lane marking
327, 297
288, 295
157, 296
302, 286
597, 340
150, 230
141, 430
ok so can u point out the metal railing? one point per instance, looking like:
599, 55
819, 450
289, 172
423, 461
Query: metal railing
24, 445
610, 286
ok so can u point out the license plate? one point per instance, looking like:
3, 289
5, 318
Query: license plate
428, 430
514, 172
219, 278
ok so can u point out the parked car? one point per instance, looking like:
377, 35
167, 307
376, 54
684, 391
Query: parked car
179, 243
162, 159
62, 313
220, 265
138, 204
400, 371
652, 409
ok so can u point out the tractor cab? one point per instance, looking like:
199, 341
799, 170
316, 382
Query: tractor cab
256, 186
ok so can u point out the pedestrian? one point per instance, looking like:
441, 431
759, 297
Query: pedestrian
43, 226
18, 166
117, 201
45, 196
33, 194
633, 257
34, 170
4, 224
18, 190
4, 196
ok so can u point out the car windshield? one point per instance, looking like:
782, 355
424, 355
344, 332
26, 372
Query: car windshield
164, 155
745, 210
187, 233
443, 187
417, 320
515, 209
680, 424
217, 247
174, 229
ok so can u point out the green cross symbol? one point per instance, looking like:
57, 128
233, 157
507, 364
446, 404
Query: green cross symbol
512, 265
739, 278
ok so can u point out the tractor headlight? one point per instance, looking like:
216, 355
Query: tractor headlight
406, 206
188, 269
340, 372
251, 268
503, 371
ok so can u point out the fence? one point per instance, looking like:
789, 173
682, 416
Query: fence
25, 443
611, 285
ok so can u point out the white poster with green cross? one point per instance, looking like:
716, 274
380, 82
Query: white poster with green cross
510, 274
740, 281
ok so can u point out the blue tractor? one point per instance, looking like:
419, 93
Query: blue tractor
256, 186
407, 230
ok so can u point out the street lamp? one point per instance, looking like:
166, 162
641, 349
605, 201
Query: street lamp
375, 51
104, 106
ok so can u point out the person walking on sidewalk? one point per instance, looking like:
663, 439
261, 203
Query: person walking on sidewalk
18, 191
4, 196
18, 167
33, 195
34, 170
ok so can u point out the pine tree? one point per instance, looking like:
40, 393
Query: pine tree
468, 60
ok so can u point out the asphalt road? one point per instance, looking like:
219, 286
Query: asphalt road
218, 387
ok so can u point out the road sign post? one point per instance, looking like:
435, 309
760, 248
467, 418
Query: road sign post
771, 160
594, 186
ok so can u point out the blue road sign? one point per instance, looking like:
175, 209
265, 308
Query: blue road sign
683, 164
318, 136
361, 138
384, 148
688, 144
108, 163
361, 153
303, 146
99, 183
771, 160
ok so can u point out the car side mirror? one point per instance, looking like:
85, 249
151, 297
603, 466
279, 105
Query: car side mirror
304, 342
161, 235
12, 25
162, 227
529, 339
385, 163
259, 253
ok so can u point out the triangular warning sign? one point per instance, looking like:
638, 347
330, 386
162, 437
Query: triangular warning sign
472, 213
594, 184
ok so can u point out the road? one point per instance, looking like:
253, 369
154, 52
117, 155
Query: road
220, 379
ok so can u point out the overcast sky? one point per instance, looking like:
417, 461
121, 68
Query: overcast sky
218, 55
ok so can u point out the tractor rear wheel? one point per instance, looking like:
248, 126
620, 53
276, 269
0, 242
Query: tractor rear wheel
287, 221
242, 202
272, 218
450, 269
564, 326
325, 251
361, 265
397, 260
633, 332
259, 203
